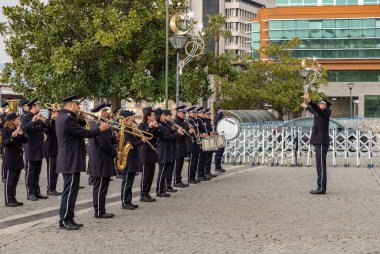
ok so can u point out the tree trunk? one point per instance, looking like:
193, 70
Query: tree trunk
115, 102
216, 39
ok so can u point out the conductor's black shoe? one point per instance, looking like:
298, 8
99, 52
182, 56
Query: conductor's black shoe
68, 225
104, 215
170, 189
53, 193
318, 192
10, 204
41, 196
147, 199
77, 224
193, 181
220, 170
129, 207
18, 203
32, 198
81, 187
163, 195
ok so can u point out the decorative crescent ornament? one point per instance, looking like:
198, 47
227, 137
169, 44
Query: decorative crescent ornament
173, 24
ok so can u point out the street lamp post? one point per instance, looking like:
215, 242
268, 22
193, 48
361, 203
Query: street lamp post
350, 86
177, 42
166, 53
304, 73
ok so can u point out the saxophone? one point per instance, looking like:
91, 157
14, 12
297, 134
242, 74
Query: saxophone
121, 161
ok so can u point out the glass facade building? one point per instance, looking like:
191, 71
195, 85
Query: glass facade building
289, 3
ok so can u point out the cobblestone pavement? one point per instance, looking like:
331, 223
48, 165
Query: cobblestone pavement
247, 210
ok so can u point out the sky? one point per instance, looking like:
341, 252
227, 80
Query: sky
3, 56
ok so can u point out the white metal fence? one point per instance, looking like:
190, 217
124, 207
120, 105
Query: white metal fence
272, 145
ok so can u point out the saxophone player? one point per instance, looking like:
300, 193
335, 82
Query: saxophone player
148, 156
133, 160
102, 157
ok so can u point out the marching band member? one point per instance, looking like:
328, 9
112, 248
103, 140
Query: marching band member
210, 132
71, 157
25, 108
202, 154
102, 157
220, 151
192, 146
181, 147
133, 160
3, 119
51, 147
148, 156
13, 162
34, 126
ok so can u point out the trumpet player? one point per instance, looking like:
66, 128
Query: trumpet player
181, 146
133, 159
148, 156
34, 126
192, 146
102, 157
13, 138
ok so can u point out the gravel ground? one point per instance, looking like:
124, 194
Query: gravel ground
247, 210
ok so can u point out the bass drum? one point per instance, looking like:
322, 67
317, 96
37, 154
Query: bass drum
228, 127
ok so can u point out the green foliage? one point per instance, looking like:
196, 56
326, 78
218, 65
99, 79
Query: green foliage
276, 82
95, 48
216, 28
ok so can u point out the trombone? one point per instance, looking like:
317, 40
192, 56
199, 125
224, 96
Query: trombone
134, 131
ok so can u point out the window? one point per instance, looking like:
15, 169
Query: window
372, 106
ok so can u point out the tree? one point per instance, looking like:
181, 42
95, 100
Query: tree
216, 29
95, 48
276, 82
3, 29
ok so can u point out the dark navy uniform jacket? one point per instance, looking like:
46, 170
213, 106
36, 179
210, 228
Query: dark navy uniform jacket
13, 153
193, 147
71, 147
181, 141
209, 127
217, 118
35, 134
320, 132
147, 154
102, 153
133, 160
51, 143
166, 151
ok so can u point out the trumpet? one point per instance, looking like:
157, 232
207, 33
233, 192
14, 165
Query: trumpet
53, 106
181, 129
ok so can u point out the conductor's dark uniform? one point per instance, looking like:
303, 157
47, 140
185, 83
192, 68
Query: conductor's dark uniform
71, 159
320, 140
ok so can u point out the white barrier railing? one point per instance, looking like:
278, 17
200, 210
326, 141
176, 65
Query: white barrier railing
290, 146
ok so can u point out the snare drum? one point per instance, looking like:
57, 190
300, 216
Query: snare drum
220, 142
209, 144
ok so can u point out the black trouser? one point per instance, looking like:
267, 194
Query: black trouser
148, 170
208, 162
3, 173
193, 164
33, 178
69, 196
218, 158
13, 175
178, 169
126, 188
161, 177
169, 175
201, 164
320, 156
26, 163
99, 194
52, 176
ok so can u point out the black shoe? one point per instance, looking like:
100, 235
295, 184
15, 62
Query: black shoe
11, 204
147, 199
53, 193
67, 225
104, 215
220, 170
111, 179
170, 189
136, 206
77, 224
203, 179
18, 203
32, 198
129, 207
163, 195
198, 181
318, 192
81, 187
154, 200
208, 177
2, 180
193, 181
180, 185
212, 175
39, 196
